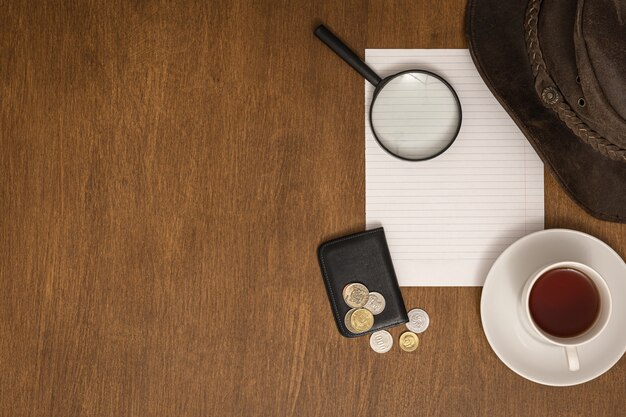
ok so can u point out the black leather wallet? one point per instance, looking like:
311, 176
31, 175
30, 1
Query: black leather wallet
361, 257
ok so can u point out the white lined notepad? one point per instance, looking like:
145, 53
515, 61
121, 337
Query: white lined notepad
447, 219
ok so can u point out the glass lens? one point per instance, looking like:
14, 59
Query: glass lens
415, 115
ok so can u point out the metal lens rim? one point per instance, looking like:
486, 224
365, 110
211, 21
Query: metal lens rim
382, 85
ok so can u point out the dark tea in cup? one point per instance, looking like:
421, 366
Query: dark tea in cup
564, 302
567, 304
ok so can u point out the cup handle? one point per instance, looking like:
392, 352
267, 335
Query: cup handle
572, 358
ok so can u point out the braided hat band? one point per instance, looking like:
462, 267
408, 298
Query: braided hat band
552, 97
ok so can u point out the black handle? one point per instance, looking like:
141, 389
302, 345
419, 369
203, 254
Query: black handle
346, 54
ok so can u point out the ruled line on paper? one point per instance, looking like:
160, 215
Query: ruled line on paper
447, 219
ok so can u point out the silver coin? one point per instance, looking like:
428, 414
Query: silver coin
375, 303
418, 320
348, 320
355, 294
381, 341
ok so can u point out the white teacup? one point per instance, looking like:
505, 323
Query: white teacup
570, 343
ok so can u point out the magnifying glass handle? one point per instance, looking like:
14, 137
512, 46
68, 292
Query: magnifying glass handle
346, 54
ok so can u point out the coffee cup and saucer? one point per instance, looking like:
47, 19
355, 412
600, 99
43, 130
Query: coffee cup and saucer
553, 307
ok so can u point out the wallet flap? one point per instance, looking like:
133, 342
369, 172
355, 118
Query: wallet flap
362, 257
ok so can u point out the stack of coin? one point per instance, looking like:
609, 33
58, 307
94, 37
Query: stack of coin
359, 320
364, 304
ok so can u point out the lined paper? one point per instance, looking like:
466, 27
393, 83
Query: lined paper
448, 219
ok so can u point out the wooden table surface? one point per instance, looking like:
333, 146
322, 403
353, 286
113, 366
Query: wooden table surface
167, 170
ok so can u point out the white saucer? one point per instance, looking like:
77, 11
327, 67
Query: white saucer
507, 328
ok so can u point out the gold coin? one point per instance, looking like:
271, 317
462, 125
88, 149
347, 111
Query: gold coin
409, 341
348, 320
361, 320
355, 294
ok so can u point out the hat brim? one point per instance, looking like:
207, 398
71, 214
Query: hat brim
495, 32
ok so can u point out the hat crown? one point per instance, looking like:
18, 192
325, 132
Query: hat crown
583, 47
601, 45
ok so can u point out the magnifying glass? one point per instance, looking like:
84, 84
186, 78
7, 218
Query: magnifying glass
415, 115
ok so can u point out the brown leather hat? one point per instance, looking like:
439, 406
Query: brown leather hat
559, 69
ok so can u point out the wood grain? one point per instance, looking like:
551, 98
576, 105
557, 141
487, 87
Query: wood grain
167, 170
